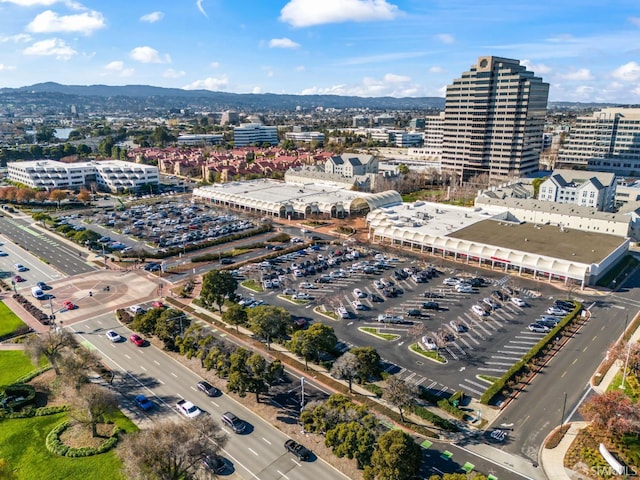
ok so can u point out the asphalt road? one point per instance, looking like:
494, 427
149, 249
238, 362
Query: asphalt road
64, 258
257, 454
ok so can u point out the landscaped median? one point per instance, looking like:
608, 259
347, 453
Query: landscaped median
430, 354
530, 362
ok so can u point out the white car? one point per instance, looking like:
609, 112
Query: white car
451, 281
518, 301
359, 293
188, 409
113, 336
343, 312
428, 343
358, 305
307, 285
464, 288
378, 284
136, 309
302, 296
478, 310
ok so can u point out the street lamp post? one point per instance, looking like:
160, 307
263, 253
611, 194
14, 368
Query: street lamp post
564, 406
626, 363
302, 395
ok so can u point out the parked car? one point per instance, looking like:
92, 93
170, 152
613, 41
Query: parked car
432, 295
136, 309
343, 313
69, 305
428, 343
375, 298
566, 305
43, 286
232, 421
143, 403
297, 449
158, 305
359, 293
538, 328
3, 253
464, 288
307, 286
20, 268
301, 296
413, 312
136, 339
518, 301
451, 281
188, 409
431, 305
389, 318
492, 303
561, 312
113, 336
459, 327
478, 310
358, 305
209, 389
499, 295
18, 279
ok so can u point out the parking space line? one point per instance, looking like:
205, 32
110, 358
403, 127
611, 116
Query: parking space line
486, 369
497, 357
473, 390
507, 364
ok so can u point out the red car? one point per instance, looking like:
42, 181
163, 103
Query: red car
18, 278
69, 305
136, 339
158, 305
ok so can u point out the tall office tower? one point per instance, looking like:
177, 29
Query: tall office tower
494, 120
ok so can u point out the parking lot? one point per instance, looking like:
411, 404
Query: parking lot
480, 330
169, 224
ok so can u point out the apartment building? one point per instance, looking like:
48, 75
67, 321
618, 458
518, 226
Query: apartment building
108, 175
494, 120
588, 189
254, 133
608, 140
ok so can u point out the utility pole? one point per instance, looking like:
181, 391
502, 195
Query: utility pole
302, 395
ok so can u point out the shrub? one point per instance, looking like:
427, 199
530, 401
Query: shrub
375, 389
55, 445
434, 419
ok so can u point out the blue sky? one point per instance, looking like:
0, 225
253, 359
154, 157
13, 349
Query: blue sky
588, 50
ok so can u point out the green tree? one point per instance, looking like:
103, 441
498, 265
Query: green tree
369, 363
399, 394
145, 323
170, 325
161, 136
269, 322
313, 342
217, 285
353, 440
235, 315
105, 146
45, 134
397, 457
403, 169
83, 151
35, 151
346, 367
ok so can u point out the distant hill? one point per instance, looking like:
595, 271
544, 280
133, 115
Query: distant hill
265, 100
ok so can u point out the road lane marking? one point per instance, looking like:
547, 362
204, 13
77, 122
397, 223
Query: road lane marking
215, 404
282, 475
142, 368
253, 451
266, 440
174, 374
127, 356
295, 462
156, 362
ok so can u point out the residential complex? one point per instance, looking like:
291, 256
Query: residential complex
254, 133
108, 175
588, 189
494, 120
608, 140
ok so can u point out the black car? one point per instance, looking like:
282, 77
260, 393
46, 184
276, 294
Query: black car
375, 298
431, 305
432, 295
226, 261
499, 295
215, 464
298, 450
414, 312
209, 389
563, 304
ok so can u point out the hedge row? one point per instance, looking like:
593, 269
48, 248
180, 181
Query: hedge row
33, 374
29, 412
449, 405
520, 366
55, 445
436, 420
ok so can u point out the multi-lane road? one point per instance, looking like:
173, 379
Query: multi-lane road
257, 454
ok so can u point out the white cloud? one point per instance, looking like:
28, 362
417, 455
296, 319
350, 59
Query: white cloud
51, 47
30, 3
20, 37
152, 17
300, 68
201, 8
445, 38
636, 91
305, 13
283, 43
393, 78
214, 64
436, 69
577, 75
7, 68
391, 85
537, 68
629, 72
117, 66
49, 21
209, 83
171, 73
148, 55
256, 90
635, 21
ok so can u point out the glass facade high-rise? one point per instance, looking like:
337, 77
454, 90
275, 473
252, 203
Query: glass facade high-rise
494, 120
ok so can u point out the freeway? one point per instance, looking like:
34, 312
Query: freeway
258, 454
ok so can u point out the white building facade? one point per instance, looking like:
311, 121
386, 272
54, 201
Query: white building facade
254, 133
587, 189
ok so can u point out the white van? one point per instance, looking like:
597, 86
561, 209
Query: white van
37, 292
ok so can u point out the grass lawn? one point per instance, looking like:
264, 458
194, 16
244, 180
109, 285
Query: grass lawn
252, 285
433, 355
9, 321
13, 365
22, 440
376, 333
